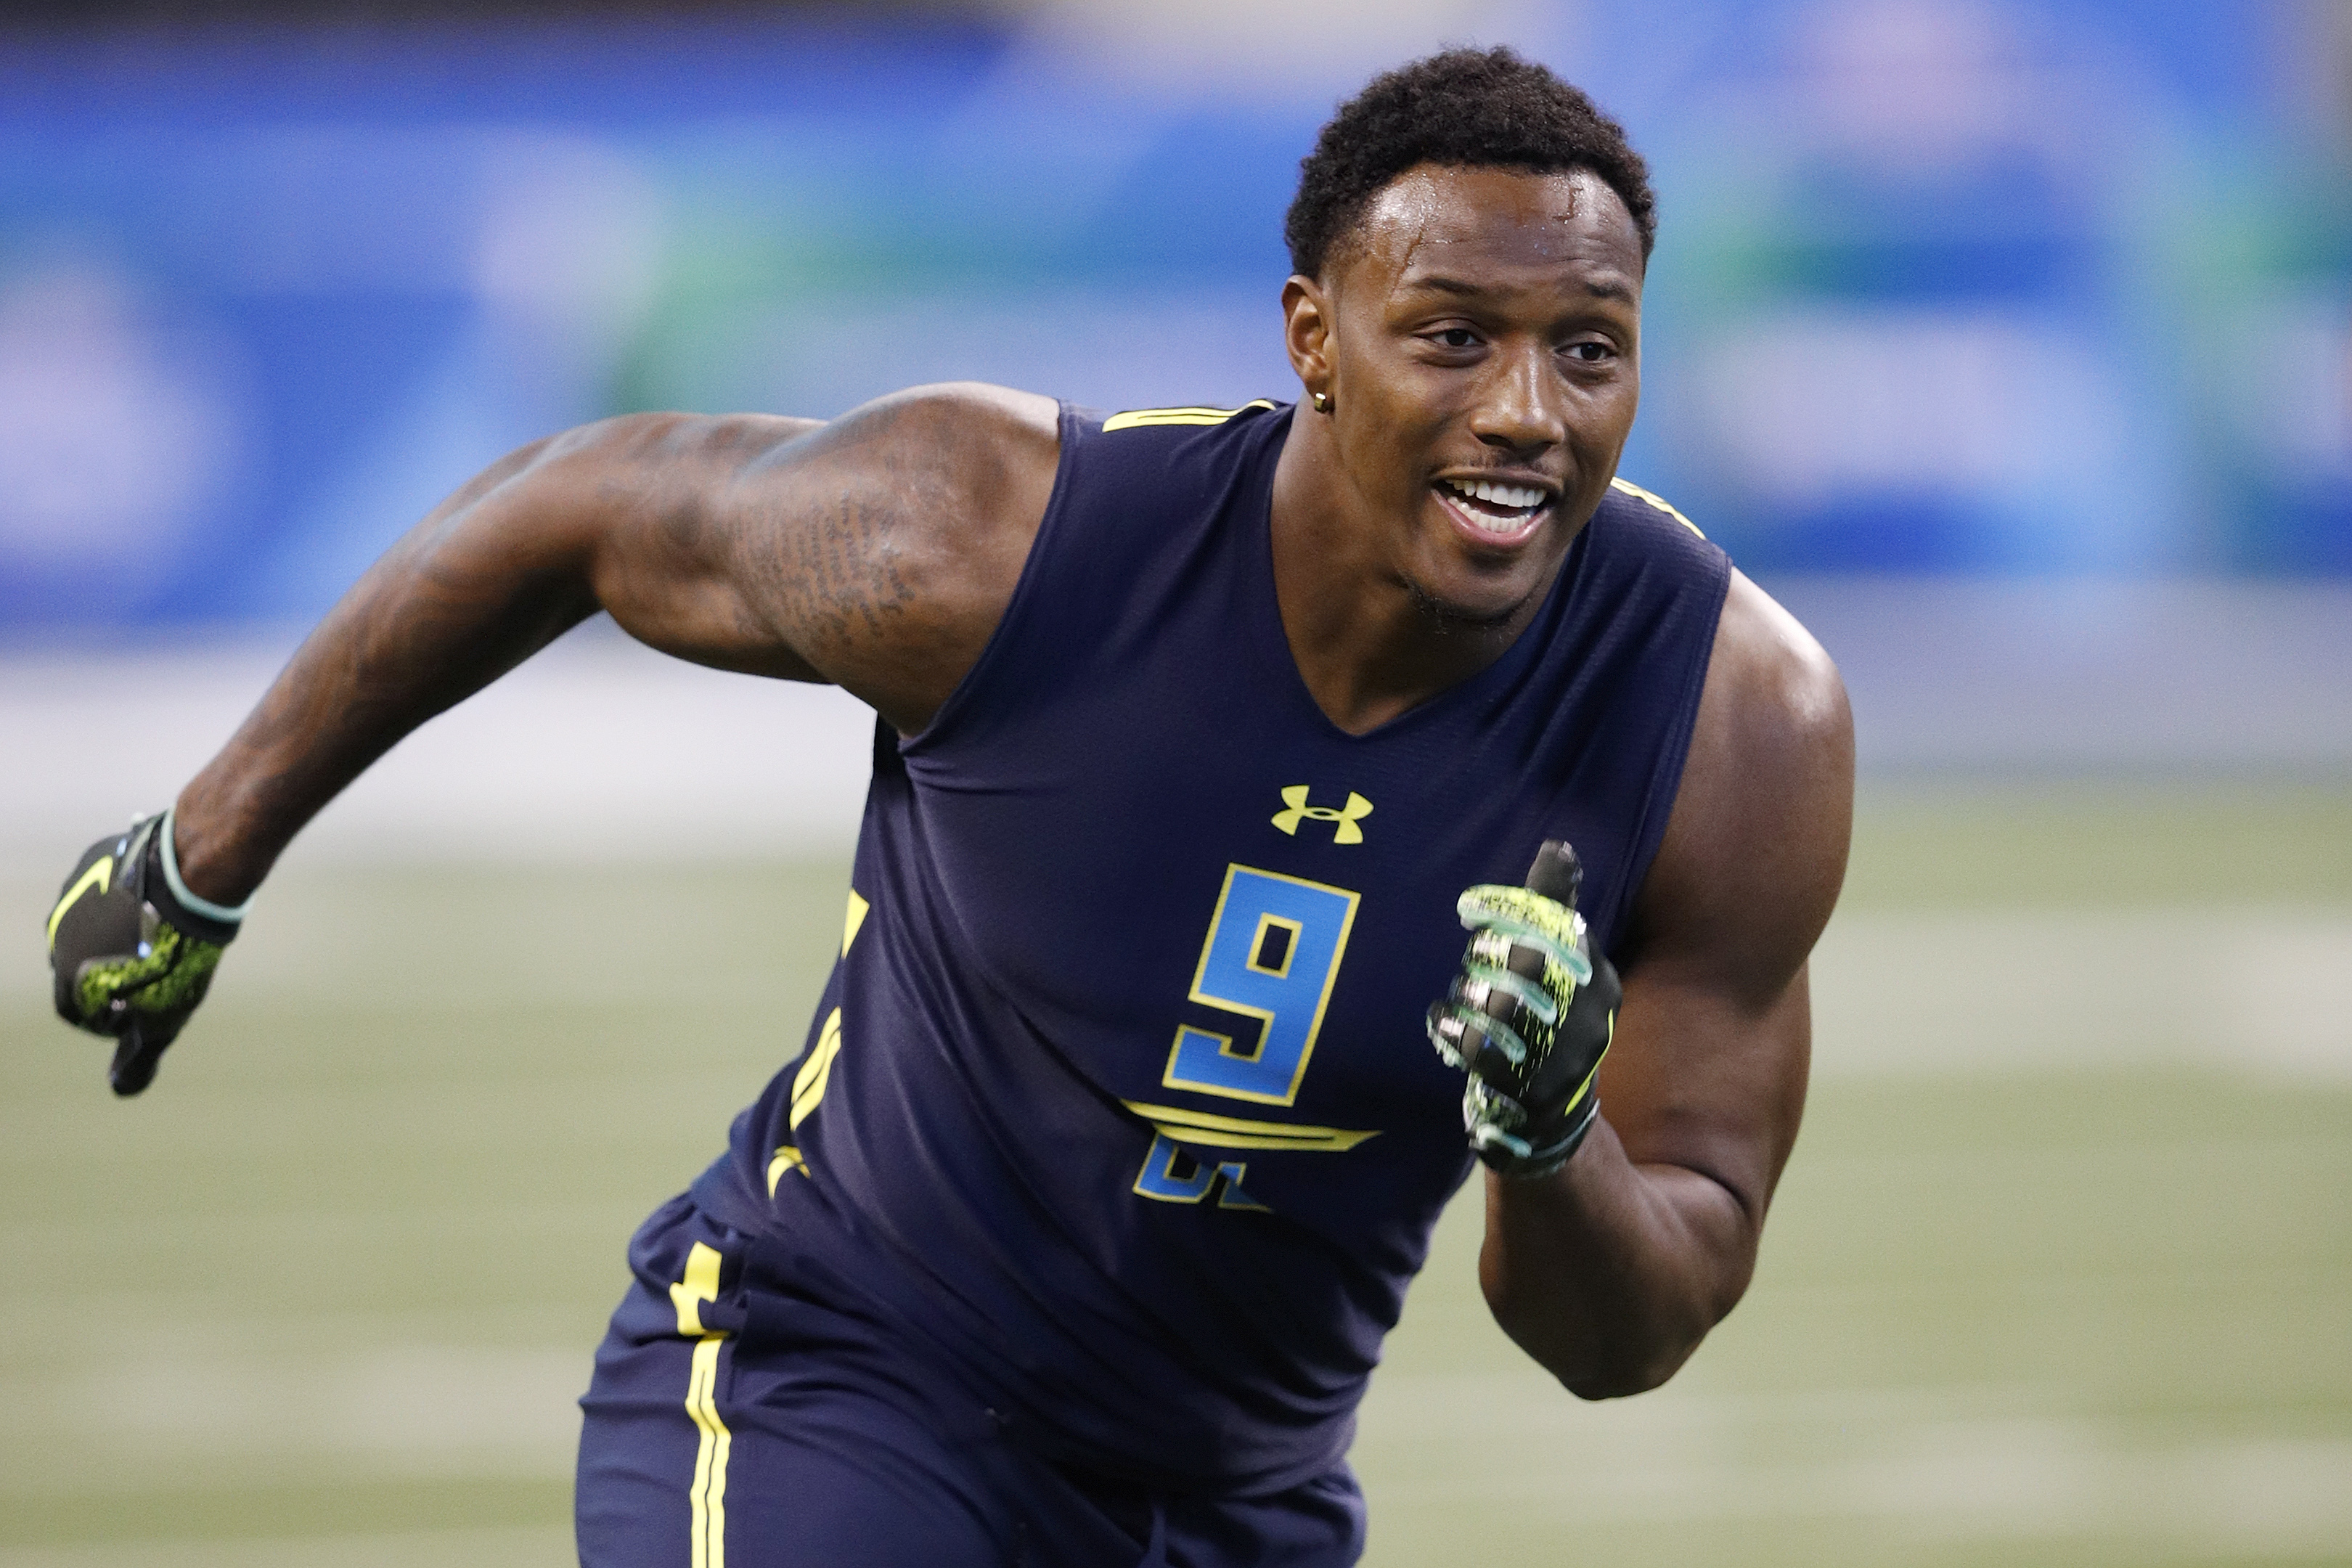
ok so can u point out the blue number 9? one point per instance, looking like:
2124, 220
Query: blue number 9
1273, 951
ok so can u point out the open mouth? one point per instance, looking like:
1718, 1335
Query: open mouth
1501, 510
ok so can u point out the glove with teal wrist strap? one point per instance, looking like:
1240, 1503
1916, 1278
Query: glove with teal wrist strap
132, 949
1529, 1017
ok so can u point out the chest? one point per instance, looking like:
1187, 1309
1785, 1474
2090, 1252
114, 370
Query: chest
1216, 905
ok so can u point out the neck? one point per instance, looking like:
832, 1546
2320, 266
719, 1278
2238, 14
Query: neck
1368, 644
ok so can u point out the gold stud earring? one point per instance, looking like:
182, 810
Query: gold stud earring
1322, 403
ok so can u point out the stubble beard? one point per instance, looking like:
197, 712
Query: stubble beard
1443, 619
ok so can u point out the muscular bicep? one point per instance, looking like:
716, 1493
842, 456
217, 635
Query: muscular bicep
1708, 1070
875, 551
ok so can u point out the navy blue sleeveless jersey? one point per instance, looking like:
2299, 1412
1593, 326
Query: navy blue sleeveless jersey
1118, 1109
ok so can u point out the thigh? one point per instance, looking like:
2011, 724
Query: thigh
686, 1461
823, 1444
1318, 1523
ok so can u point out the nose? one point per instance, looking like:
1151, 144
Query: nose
1519, 407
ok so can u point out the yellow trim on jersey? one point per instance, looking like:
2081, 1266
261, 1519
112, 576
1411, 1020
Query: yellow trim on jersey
808, 1084
1661, 502
787, 1158
1141, 418
1179, 1125
851, 922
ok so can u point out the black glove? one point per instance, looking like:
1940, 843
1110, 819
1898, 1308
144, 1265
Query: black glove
1529, 1017
132, 958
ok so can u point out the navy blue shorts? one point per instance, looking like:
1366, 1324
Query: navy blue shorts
809, 1439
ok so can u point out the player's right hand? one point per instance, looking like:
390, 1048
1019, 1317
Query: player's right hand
130, 958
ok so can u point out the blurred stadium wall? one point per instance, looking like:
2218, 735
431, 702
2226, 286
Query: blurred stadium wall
2011, 344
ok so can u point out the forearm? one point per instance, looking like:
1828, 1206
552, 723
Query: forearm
1608, 1273
492, 575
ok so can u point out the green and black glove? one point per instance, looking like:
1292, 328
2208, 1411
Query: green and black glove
1529, 1018
132, 949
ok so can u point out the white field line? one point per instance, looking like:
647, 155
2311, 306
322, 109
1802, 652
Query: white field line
1962, 992
400, 1411
509, 1548
1933, 1462
597, 750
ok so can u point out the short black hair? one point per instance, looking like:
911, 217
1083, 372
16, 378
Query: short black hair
1463, 109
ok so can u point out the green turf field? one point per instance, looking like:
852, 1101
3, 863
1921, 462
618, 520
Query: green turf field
323, 1295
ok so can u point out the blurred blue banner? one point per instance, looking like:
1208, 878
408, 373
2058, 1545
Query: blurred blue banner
1941, 286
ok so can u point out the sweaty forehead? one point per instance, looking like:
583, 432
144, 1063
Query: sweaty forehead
1442, 218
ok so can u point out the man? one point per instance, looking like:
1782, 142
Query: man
1071, 1236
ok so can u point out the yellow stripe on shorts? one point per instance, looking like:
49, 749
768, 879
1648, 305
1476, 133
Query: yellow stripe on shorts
707, 1497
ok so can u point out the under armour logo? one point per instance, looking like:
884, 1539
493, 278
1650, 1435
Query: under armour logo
1345, 818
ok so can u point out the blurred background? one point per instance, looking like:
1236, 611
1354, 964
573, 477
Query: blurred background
2008, 343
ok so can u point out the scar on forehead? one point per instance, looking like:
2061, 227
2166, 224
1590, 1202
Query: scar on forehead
1411, 203
1411, 206
1405, 215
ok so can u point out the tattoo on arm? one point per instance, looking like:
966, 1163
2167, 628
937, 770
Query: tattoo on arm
841, 573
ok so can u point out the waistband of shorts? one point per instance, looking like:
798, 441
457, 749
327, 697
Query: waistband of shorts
789, 1289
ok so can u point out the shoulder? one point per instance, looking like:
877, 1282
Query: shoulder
1755, 850
881, 547
969, 442
926, 502
1772, 685
974, 446
969, 416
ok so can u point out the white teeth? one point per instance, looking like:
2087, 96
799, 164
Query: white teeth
1517, 498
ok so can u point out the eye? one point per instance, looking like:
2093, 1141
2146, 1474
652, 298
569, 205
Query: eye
1458, 338
1589, 352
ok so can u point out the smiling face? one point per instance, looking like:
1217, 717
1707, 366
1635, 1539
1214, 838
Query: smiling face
1478, 337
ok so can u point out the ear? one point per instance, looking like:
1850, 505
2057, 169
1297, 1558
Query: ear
1307, 332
